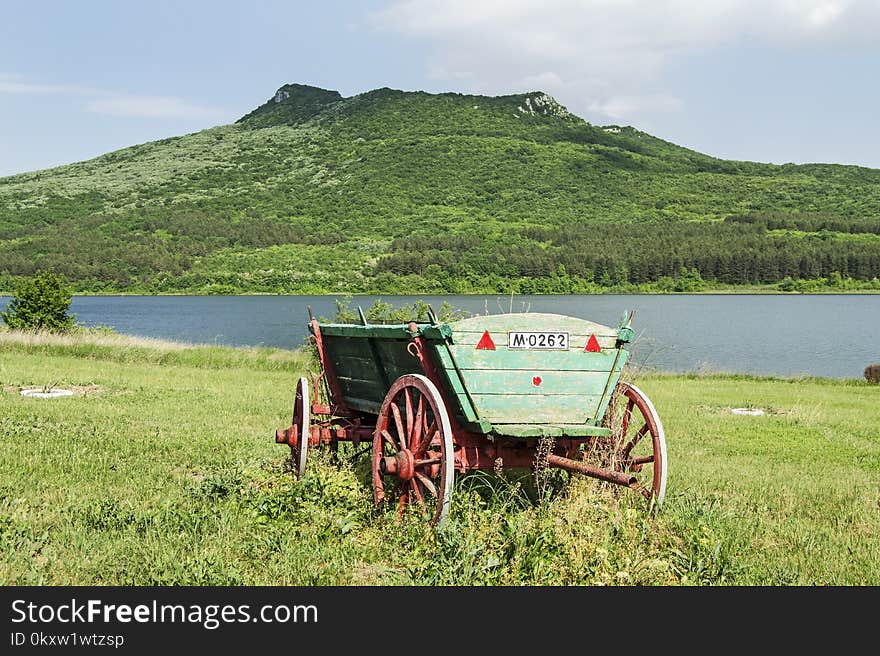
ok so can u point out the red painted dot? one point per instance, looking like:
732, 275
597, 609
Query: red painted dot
536, 381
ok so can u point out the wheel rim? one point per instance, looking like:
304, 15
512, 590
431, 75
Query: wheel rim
638, 442
299, 453
412, 450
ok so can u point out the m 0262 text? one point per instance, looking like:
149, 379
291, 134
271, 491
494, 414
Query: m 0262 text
537, 340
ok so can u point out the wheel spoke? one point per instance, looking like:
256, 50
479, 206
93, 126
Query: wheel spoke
381, 494
428, 461
417, 493
401, 505
423, 447
624, 425
407, 395
632, 443
416, 436
399, 423
427, 483
389, 439
426, 427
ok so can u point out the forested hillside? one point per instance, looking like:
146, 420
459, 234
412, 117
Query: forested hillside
392, 191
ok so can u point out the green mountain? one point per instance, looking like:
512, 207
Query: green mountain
392, 191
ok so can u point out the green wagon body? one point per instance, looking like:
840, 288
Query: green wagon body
502, 391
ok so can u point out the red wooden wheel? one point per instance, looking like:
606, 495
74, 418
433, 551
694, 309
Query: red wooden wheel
638, 443
299, 449
412, 449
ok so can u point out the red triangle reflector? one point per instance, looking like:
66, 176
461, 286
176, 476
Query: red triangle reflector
593, 345
486, 342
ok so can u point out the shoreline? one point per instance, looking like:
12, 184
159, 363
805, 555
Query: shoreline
342, 294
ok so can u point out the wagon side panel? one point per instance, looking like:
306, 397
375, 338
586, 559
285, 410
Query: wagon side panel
367, 367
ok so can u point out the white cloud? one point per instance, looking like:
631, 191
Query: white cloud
110, 103
151, 107
608, 56
620, 107
15, 84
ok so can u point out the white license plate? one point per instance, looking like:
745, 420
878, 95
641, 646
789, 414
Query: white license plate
539, 341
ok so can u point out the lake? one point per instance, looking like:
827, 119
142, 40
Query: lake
823, 335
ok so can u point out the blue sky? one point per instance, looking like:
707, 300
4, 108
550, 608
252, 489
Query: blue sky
769, 80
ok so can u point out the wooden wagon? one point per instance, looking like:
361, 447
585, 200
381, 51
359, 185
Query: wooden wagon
431, 399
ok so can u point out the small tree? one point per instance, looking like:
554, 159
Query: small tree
41, 302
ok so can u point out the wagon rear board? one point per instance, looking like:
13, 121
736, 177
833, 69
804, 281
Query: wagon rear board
515, 387
525, 374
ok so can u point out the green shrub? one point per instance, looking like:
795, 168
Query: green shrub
385, 313
41, 302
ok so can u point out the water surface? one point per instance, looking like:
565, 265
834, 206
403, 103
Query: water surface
822, 335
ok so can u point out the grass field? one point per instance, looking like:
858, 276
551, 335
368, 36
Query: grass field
161, 469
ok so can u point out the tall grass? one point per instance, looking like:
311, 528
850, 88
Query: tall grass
98, 344
163, 470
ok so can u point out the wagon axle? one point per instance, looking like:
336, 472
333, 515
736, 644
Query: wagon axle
593, 472
286, 435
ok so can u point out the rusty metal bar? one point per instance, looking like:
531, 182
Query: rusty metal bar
461, 378
351, 434
282, 435
608, 382
594, 472
338, 401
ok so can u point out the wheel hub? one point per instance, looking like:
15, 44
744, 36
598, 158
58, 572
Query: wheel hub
401, 465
